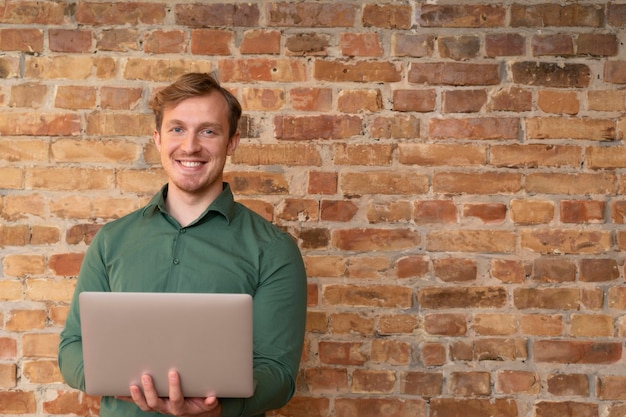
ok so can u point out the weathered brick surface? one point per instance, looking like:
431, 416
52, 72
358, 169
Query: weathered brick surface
453, 173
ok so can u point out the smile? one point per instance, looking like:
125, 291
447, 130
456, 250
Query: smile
191, 164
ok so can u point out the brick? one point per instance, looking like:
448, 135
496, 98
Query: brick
397, 126
111, 151
39, 124
67, 264
315, 238
22, 206
316, 127
71, 207
280, 154
357, 154
476, 128
325, 380
70, 40
542, 324
375, 267
11, 178
115, 124
557, 128
518, 382
412, 45
75, 97
8, 348
14, 235
454, 74
31, 95
25, 320
18, 402
293, 209
50, 290
618, 212
413, 100
458, 155
505, 44
246, 183
312, 44
311, 99
368, 296
120, 98
597, 44
486, 212
42, 372
72, 67
260, 41
356, 71
359, 101
566, 241
616, 14
558, 102
412, 266
508, 271
423, 384
569, 385
383, 182
498, 241
165, 42
433, 354
570, 184
24, 40
162, 70
40, 345
325, 266
345, 323
500, 349
11, 290
477, 182
360, 45
616, 409
606, 100
356, 407
552, 45
553, 408
445, 324
374, 239
387, 16
473, 407
494, 324
8, 375
609, 157
582, 211
72, 402
309, 14
598, 270
322, 182
459, 297
458, 48
464, 101
211, 41
133, 13
337, 211
45, 235
470, 383
612, 388
534, 156
18, 265
341, 353
25, 13
69, 179
455, 270
591, 325
461, 16
394, 212
576, 351
118, 40
555, 269
546, 14
546, 74
373, 381
393, 352
397, 324
9, 67
511, 99
548, 298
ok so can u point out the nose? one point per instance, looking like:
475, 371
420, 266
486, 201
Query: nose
191, 143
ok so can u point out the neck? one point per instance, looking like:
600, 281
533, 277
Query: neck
187, 207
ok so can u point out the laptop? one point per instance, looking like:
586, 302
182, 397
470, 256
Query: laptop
207, 338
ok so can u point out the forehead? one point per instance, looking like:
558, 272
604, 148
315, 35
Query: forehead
212, 106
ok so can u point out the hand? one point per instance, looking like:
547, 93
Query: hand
176, 404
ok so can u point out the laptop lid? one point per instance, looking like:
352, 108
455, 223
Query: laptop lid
207, 338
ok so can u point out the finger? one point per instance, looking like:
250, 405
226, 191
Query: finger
177, 401
137, 396
149, 392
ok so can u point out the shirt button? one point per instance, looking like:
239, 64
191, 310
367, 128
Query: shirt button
176, 261
183, 230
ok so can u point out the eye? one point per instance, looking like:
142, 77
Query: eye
176, 129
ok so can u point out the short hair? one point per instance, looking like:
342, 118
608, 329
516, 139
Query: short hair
194, 84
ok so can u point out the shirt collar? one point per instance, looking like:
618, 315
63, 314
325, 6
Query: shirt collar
224, 204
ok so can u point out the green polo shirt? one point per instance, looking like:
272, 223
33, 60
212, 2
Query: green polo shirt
228, 249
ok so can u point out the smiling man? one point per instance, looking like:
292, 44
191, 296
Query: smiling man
193, 237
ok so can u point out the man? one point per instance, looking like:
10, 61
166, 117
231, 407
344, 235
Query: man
193, 237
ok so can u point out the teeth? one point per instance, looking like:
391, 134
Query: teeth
190, 164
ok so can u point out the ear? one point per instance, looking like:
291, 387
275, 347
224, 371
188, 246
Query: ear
157, 139
233, 142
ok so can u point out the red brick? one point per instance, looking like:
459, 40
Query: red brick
387, 16
393, 212
360, 45
72, 402
18, 402
471, 241
542, 324
582, 211
425, 154
495, 324
325, 380
391, 407
461, 16
455, 74
338, 211
570, 184
414, 100
368, 296
508, 271
555, 45
558, 102
433, 354
165, 42
597, 44
373, 381
397, 324
126, 13
505, 44
476, 128
568, 384
412, 45
455, 270
612, 388
477, 183
518, 382
311, 99
306, 407
550, 14
211, 41
382, 182
577, 351
548, 270
70, 40
446, 324
486, 212
311, 14
616, 14
511, 99
547, 74
45, 13
571, 408
359, 101
412, 266
459, 297
277, 154
341, 353
464, 101
309, 44
357, 71
374, 239
322, 182
423, 384
535, 155
118, 40
120, 98
470, 383
260, 41
475, 407
24, 40
316, 127
458, 48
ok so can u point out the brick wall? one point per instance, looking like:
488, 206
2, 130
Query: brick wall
454, 175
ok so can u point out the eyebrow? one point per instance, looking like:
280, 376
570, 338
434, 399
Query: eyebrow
213, 125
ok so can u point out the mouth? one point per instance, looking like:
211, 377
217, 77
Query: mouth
191, 164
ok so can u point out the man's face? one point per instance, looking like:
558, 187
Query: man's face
194, 143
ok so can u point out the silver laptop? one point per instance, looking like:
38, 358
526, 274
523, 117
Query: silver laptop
207, 338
